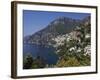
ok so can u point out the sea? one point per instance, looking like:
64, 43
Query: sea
48, 53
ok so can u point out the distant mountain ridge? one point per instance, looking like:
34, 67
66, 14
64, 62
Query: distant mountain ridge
59, 26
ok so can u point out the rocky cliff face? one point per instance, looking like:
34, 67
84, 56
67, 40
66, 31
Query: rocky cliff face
59, 26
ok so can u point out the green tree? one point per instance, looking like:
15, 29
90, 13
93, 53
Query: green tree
28, 62
38, 62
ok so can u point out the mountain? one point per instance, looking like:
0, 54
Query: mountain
74, 48
79, 39
59, 26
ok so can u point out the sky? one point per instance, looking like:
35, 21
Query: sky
34, 21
